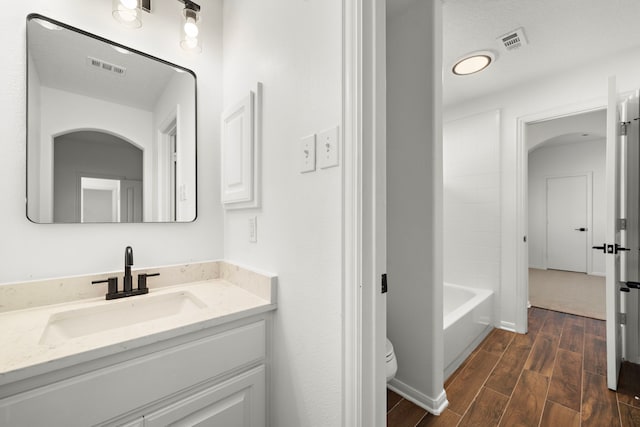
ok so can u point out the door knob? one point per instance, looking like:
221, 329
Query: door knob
603, 248
581, 229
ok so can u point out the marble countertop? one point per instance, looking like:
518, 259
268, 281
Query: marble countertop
28, 349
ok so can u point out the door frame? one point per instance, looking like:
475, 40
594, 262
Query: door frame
364, 212
589, 225
522, 196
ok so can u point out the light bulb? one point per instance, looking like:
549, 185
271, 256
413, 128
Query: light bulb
190, 28
129, 4
127, 12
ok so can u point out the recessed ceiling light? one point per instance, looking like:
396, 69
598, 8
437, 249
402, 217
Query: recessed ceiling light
48, 25
121, 50
472, 63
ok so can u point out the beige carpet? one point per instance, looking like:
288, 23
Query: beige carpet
568, 292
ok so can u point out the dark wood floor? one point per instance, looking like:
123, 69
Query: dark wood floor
553, 376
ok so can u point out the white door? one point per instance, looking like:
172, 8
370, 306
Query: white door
631, 300
612, 235
567, 223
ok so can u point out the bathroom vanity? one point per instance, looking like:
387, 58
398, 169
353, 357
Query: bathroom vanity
194, 349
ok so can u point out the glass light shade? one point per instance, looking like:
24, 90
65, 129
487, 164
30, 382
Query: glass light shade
127, 12
189, 31
472, 63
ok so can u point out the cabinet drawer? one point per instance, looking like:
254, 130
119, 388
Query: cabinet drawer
106, 393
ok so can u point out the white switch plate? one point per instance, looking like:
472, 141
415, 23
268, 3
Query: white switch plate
253, 229
328, 148
308, 154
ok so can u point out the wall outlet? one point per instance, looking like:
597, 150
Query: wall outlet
253, 229
328, 148
307, 154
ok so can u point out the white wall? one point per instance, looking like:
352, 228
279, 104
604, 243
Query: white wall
471, 166
564, 160
414, 201
569, 88
32, 251
294, 48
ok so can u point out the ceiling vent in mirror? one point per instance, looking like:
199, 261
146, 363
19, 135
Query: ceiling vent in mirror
513, 39
106, 66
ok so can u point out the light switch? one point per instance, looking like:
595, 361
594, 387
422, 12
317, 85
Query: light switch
308, 154
328, 148
253, 229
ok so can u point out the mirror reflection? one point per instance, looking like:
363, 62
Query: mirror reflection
111, 132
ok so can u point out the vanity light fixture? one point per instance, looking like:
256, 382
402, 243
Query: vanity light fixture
473, 63
129, 12
189, 30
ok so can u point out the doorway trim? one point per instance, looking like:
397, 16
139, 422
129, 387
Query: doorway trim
363, 118
522, 196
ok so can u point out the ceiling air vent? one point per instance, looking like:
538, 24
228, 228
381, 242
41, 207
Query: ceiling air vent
106, 66
513, 39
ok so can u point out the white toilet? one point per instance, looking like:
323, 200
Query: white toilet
392, 363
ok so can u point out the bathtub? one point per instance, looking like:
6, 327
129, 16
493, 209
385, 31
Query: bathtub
467, 317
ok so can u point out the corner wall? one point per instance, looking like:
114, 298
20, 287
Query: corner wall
33, 251
414, 202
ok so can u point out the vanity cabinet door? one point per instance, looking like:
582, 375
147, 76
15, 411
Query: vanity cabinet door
237, 402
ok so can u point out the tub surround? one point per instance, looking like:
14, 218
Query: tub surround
229, 293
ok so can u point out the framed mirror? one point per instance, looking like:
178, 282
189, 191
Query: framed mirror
111, 132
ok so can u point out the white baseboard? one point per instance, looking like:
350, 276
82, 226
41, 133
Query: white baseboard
597, 273
508, 326
435, 406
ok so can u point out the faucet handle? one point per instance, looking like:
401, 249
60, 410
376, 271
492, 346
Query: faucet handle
142, 280
112, 287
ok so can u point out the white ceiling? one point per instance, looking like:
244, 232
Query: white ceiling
60, 58
562, 34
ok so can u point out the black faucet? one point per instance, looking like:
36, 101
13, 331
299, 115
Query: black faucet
127, 289
128, 262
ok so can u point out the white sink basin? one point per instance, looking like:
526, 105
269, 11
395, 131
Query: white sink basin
129, 311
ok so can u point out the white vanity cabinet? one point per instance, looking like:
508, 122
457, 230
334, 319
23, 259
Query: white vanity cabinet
238, 402
213, 377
